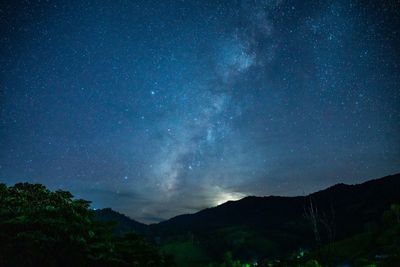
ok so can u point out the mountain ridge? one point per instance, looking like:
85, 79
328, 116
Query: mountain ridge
340, 188
273, 226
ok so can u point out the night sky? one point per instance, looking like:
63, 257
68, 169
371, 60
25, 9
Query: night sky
157, 108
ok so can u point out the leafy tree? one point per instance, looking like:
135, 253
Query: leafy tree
43, 228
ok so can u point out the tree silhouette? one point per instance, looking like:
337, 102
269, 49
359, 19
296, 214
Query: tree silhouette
44, 228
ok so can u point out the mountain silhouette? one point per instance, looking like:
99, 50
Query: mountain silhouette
124, 223
344, 210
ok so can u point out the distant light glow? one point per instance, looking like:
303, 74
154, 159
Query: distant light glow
180, 106
225, 196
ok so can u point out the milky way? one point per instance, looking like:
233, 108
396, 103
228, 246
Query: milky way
157, 108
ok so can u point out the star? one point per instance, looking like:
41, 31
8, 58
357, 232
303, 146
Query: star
190, 109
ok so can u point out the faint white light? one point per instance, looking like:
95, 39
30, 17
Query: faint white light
224, 196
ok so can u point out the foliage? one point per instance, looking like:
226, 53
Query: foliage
230, 262
186, 252
378, 246
44, 228
39, 227
272, 228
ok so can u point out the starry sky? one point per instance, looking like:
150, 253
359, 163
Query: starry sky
157, 108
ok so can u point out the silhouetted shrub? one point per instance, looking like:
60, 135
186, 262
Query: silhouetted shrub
43, 228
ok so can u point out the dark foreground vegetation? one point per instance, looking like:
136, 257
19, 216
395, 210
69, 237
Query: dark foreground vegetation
340, 226
44, 228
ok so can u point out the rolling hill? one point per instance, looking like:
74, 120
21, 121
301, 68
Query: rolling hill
276, 225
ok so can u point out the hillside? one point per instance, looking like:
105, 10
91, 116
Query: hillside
352, 205
273, 225
124, 223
